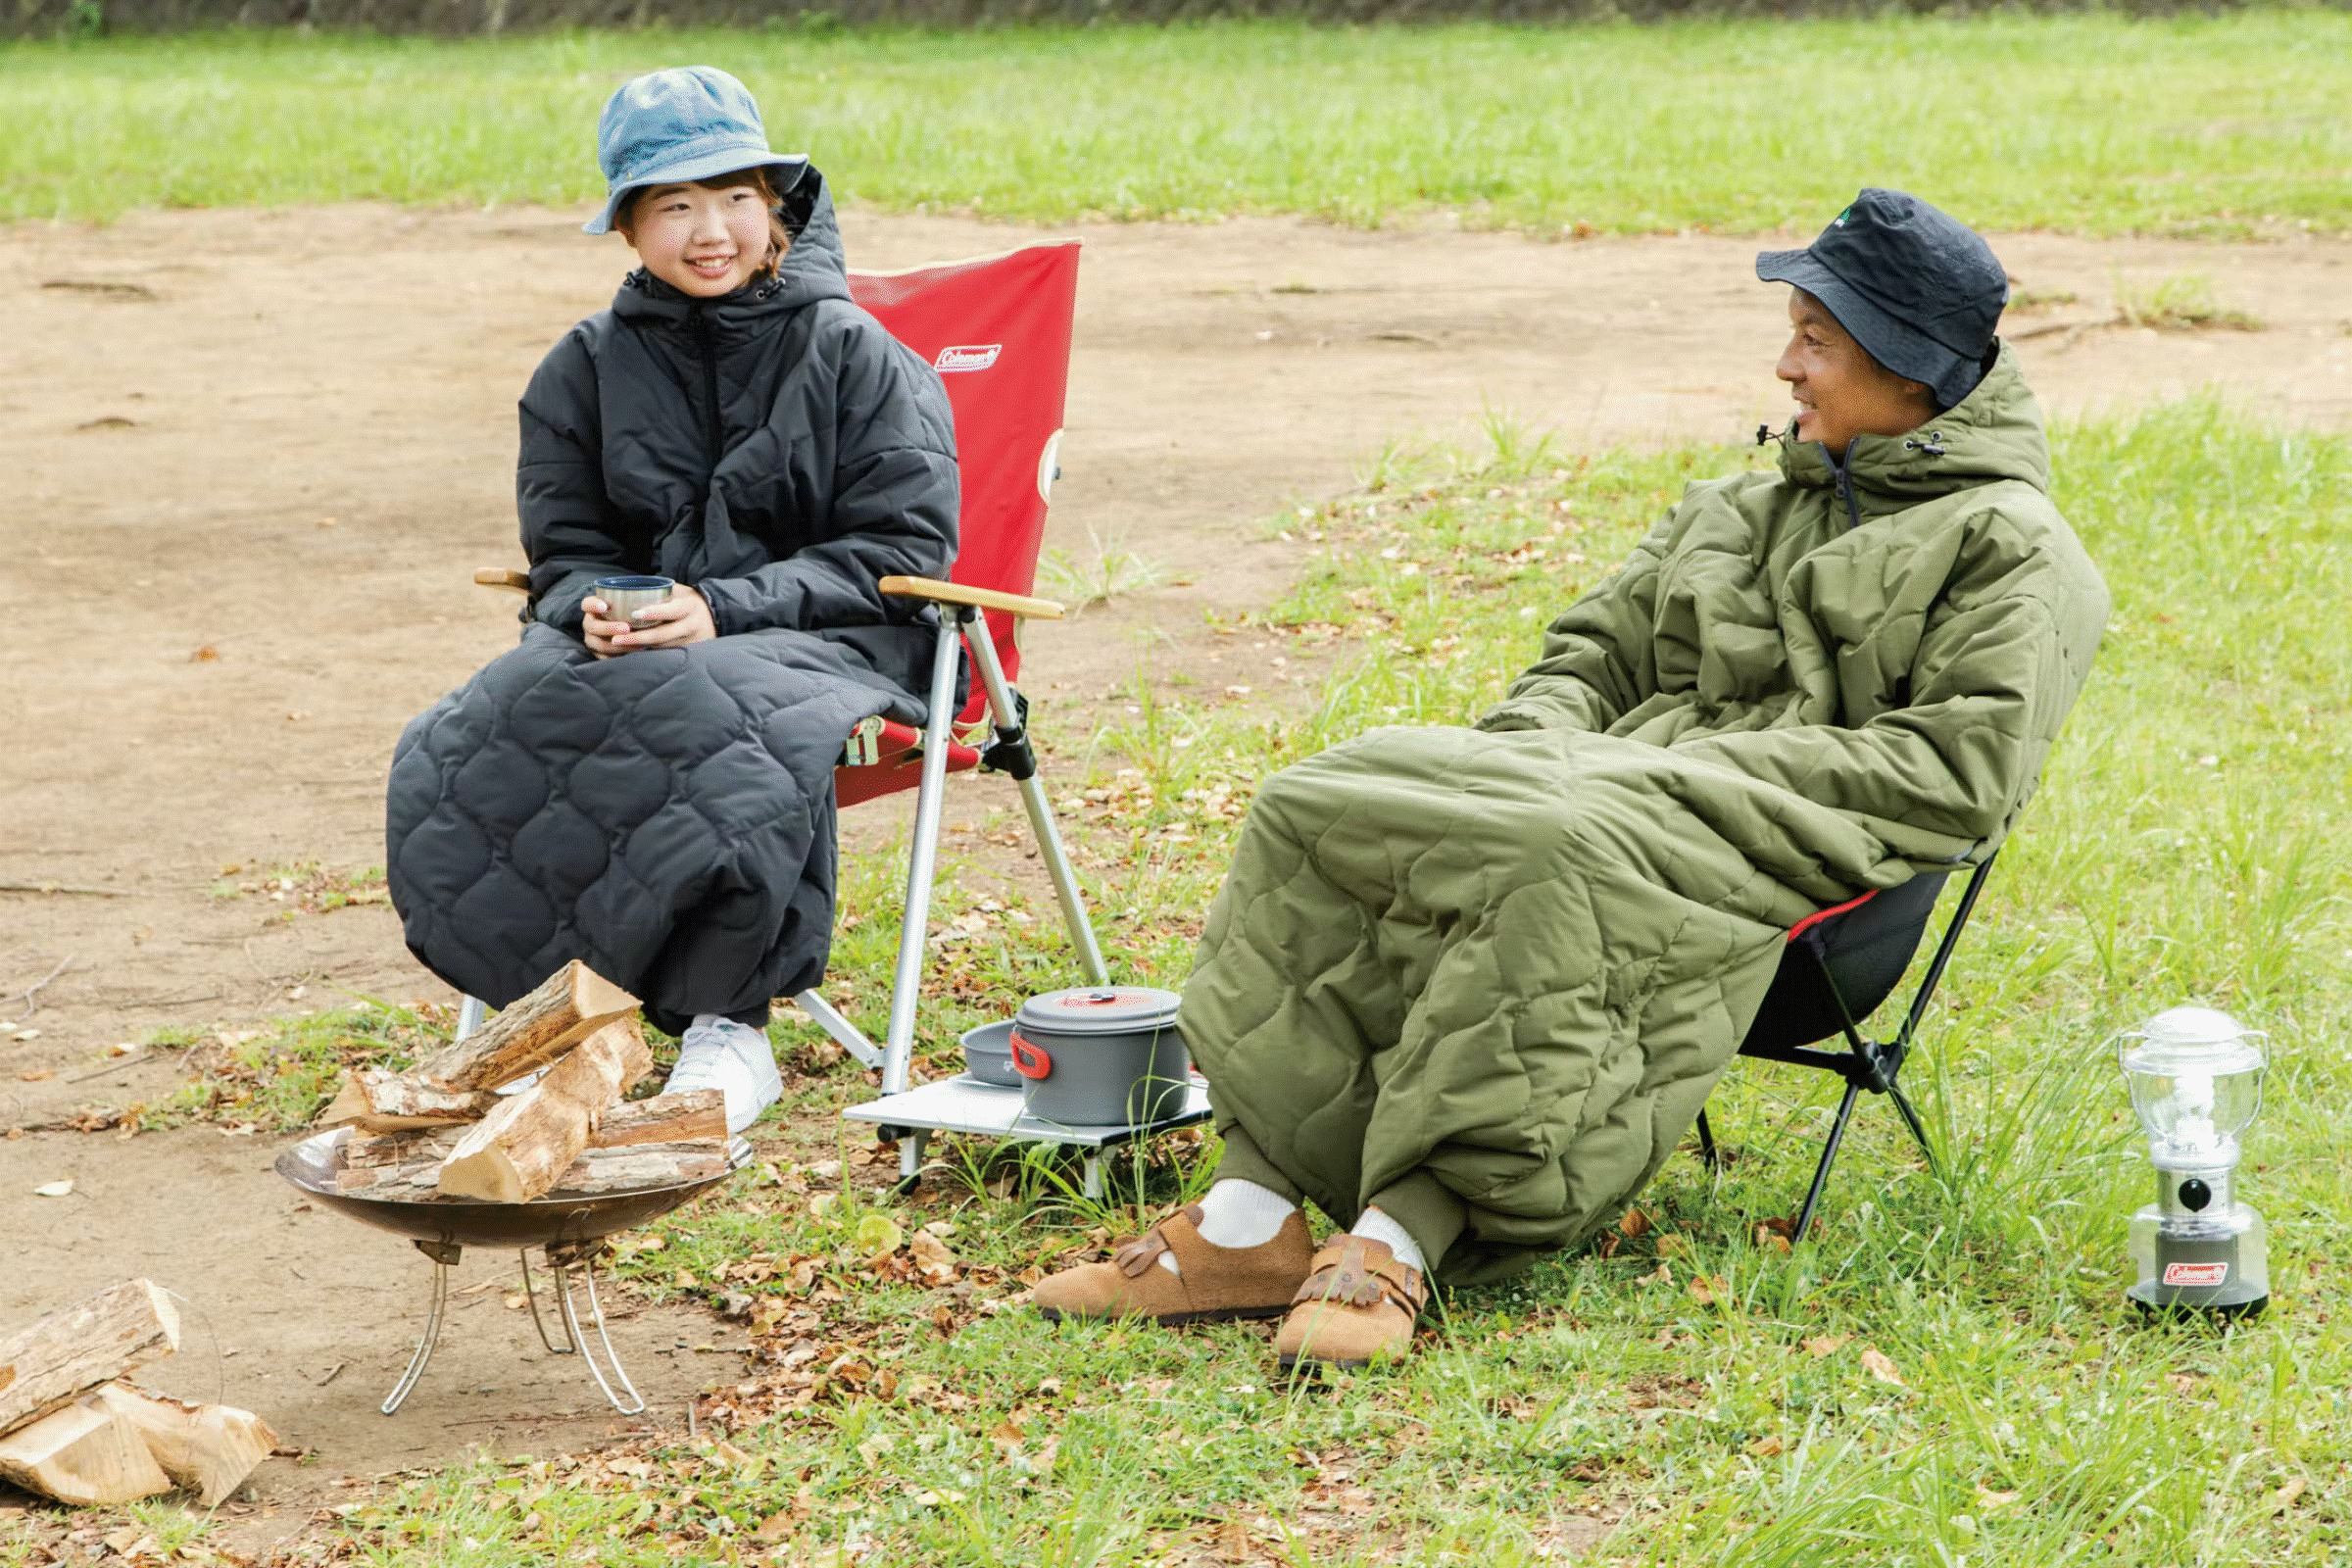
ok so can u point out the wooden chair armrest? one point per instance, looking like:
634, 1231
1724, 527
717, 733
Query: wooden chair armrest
951, 593
503, 577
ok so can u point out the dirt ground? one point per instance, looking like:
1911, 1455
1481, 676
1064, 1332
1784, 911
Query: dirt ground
258, 454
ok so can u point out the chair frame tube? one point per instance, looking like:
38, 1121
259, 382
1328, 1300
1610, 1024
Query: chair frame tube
1865, 1064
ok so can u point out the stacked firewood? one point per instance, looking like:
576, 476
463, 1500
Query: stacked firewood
438, 1131
70, 1429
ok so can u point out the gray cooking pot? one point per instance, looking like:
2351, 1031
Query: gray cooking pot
1100, 1055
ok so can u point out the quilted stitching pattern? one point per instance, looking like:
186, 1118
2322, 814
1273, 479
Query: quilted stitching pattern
654, 815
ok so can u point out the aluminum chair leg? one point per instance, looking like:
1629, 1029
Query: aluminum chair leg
846, 1034
923, 862
471, 1014
1709, 1154
1008, 716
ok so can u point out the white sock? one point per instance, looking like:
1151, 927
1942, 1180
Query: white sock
1238, 1214
1374, 1226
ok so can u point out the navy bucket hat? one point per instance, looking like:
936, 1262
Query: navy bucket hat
674, 127
1915, 286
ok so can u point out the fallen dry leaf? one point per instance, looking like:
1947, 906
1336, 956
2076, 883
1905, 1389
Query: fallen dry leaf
1663, 1276
1991, 1502
1877, 1366
2285, 1495
1767, 1448
932, 1258
1823, 1346
1633, 1224
1771, 1241
35, 1075
1708, 1289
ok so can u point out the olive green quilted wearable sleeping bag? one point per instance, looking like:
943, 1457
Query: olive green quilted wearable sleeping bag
1498, 969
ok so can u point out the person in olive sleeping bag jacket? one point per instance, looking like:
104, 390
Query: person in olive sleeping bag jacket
1464, 989
653, 793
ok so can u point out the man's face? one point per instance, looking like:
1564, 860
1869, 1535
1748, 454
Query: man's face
1841, 391
699, 240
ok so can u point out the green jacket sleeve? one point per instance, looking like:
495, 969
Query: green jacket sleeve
1599, 659
1948, 770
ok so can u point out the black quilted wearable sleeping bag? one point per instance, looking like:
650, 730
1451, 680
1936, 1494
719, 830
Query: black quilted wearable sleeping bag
666, 816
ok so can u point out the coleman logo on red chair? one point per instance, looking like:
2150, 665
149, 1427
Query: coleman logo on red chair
966, 357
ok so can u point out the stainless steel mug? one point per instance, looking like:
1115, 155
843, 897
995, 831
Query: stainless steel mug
624, 597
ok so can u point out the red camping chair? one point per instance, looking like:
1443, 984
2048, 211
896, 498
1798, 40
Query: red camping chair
998, 331
1838, 967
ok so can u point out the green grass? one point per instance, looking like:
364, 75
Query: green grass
2193, 839
2087, 123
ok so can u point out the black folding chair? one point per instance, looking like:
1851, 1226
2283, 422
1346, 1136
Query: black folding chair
1838, 967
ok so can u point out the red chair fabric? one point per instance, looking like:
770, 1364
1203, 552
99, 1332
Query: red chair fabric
998, 331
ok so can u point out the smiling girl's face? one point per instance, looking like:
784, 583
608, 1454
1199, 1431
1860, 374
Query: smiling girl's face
704, 239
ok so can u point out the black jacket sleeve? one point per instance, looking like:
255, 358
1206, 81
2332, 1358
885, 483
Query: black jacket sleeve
570, 531
895, 498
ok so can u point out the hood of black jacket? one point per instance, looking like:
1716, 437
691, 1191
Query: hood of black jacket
1993, 433
814, 269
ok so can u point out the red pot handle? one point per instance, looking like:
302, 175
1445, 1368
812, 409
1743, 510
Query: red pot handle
1029, 1058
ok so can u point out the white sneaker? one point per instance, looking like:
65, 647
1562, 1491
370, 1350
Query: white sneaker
732, 1058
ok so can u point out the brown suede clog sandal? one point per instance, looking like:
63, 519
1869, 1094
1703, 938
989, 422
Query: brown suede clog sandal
1359, 1306
1217, 1284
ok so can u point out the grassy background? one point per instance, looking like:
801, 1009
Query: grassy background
1695, 1394
2092, 123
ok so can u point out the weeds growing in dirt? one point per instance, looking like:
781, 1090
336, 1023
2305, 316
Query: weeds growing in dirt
1943, 1373
2185, 302
1108, 570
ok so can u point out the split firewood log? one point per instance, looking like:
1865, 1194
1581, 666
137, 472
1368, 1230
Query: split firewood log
693, 1116
449, 1087
364, 1151
85, 1454
204, 1448
378, 1100
521, 1148
632, 1168
569, 1006
70, 1352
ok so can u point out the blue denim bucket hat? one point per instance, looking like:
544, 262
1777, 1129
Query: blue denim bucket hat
677, 125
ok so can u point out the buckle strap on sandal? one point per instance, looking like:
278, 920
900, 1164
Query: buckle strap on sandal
1357, 1272
1140, 1252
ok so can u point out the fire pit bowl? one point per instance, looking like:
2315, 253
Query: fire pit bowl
551, 1221
564, 1229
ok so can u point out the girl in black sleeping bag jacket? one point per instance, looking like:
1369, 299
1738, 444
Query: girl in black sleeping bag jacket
654, 796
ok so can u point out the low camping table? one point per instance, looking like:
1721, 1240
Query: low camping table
966, 1104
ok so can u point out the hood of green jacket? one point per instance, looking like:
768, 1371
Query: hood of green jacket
1993, 433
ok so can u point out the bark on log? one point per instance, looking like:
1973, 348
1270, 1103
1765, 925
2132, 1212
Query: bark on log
569, 1006
524, 1145
83, 1454
642, 1166
697, 1115
633, 1168
67, 1353
365, 1149
204, 1448
377, 1100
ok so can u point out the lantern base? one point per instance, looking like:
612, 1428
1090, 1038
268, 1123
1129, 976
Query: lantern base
2162, 1301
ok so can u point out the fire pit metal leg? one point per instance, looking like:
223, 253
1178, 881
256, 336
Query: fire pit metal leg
445, 1257
595, 1318
522, 1256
